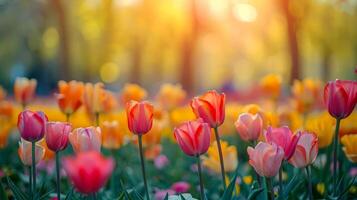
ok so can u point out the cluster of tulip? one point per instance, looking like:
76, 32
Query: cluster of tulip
270, 148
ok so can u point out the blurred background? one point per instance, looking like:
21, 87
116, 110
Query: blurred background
200, 44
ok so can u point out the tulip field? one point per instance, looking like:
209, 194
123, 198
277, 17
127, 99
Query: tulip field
85, 141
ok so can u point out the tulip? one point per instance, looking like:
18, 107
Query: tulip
133, 92
306, 93
57, 140
193, 137
86, 139
5, 131
161, 161
322, 125
88, 171
229, 158
306, 150
180, 187
305, 154
32, 125
24, 90
211, 108
266, 160
171, 96
6, 110
350, 148
24, 152
112, 135
284, 138
69, 98
140, 117
340, 98
271, 85
249, 126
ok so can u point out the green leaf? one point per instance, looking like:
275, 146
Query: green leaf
45, 196
349, 185
255, 193
69, 194
166, 196
2, 192
228, 193
16, 191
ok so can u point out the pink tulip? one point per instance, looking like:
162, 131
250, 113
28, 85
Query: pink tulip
284, 138
249, 126
57, 135
88, 171
181, 187
32, 125
193, 137
306, 150
140, 116
266, 158
210, 107
340, 97
85, 139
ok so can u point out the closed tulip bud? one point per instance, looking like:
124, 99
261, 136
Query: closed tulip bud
266, 158
88, 171
306, 150
32, 125
69, 97
57, 135
210, 107
193, 137
249, 126
24, 90
86, 139
25, 152
340, 97
284, 138
140, 116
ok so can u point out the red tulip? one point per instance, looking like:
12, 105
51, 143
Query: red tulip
266, 158
210, 107
57, 135
284, 138
193, 137
306, 150
88, 171
340, 97
32, 125
249, 126
140, 116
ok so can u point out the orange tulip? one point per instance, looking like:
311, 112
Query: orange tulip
6, 109
5, 130
69, 97
307, 93
171, 96
271, 85
24, 90
140, 116
133, 92
112, 135
210, 107
24, 152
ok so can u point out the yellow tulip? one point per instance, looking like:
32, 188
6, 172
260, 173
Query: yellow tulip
350, 148
306, 94
229, 158
181, 114
133, 92
170, 96
323, 125
271, 85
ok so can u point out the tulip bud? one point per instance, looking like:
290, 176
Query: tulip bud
70, 96
57, 135
32, 125
88, 171
266, 158
140, 116
24, 89
86, 139
249, 126
210, 107
306, 150
193, 137
340, 97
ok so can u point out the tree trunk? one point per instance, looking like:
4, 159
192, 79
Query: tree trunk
64, 54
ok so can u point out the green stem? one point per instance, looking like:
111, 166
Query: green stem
143, 166
58, 176
220, 157
270, 188
30, 179
335, 155
33, 171
308, 174
112, 179
202, 190
68, 117
281, 187
97, 119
